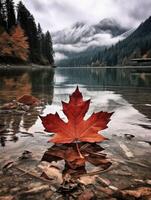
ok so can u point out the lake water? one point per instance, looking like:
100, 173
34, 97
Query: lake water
124, 91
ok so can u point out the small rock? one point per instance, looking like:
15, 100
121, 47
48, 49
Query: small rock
148, 182
138, 181
144, 144
53, 188
4, 190
113, 188
26, 155
129, 136
14, 190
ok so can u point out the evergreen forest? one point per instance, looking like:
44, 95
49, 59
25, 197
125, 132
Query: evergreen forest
21, 39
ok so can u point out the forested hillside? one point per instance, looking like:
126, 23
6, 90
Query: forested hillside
136, 45
21, 39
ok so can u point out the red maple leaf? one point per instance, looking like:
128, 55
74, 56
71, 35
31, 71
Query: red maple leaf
76, 129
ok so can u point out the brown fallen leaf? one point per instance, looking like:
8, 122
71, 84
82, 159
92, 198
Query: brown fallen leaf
86, 180
7, 197
87, 195
141, 192
73, 161
73, 172
51, 173
36, 190
29, 100
105, 190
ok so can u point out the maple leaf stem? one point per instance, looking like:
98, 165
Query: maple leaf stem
81, 156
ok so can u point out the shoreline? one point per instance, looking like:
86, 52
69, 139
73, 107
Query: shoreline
38, 66
25, 66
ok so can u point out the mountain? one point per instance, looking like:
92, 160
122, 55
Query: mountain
109, 26
84, 37
136, 45
81, 30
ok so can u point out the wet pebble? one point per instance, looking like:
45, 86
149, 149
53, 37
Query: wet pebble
14, 190
144, 144
26, 155
148, 182
3, 190
129, 136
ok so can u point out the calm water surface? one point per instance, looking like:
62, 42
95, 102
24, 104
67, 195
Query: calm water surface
125, 91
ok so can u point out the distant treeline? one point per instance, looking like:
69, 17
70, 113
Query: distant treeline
21, 39
137, 45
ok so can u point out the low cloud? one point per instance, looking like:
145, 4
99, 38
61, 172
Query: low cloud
58, 14
98, 40
60, 56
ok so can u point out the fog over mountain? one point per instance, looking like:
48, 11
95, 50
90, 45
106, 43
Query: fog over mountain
75, 25
58, 14
82, 36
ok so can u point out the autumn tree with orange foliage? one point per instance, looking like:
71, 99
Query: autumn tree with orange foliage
20, 44
15, 45
17, 26
5, 45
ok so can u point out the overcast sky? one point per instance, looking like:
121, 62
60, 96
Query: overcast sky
57, 14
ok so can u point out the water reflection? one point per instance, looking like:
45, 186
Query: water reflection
124, 91
107, 77
133, 84
15, 83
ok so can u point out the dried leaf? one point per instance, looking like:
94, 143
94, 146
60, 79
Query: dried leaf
137, 193
87, 195
10, 197
86, 180
7, 166
52, 173
29, 100
74, 164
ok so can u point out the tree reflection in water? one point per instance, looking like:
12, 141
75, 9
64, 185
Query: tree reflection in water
14, 84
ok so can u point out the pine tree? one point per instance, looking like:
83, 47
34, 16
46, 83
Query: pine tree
48, 49
27, 22
10, 13
40, 33
43, 44
3, 23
